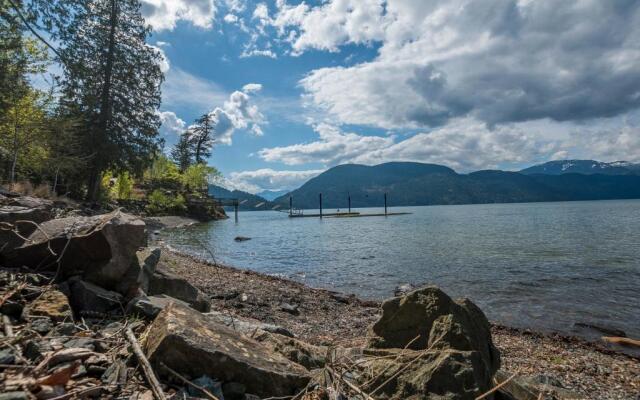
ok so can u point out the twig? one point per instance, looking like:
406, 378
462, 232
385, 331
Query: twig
407, 365
11, 292
351, 385
188, 382
146, 366
495, 388
8, 328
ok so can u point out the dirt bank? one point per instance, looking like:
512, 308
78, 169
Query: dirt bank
324, 317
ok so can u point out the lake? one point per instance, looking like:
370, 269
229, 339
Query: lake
543, 266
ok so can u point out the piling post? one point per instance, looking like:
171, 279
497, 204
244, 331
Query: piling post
290, 205
235, 209
320, 205
385, 204
349, 204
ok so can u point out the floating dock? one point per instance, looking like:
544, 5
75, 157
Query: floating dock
345, 215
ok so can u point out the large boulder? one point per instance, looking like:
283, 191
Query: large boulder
193, 345
427, 317
161, 281
18, 216
150, 306
100, 248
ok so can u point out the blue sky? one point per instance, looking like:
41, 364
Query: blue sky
298, 87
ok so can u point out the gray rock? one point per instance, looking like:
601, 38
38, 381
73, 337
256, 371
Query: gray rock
65, 329
42, 325
87, 297
431, 316
150, 306
457, 330
22, 209
247, 326
14, 396
290, 308
193, 345
241, 238
529, 388
34, 349
85, 343
101, 248
164, 282
403, 289
212, 386
7, 356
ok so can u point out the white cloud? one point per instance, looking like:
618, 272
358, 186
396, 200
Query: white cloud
269, 179
498, 61
252, 87
237, 112
164, 64
182, 89
165, 14
172, 125
231, 18
334, 147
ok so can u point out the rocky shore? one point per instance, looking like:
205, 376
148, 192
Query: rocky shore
90, 310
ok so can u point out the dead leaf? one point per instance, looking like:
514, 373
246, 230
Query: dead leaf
60, 377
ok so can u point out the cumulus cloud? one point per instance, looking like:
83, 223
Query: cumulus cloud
269, 179
165, 14
464, 144
237, 112
498, 61
163, 63
172, 125
334, 147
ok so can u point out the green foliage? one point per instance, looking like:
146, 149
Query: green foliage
163, 204
124, 186
163, 173
201, 138
197, 177
182, 152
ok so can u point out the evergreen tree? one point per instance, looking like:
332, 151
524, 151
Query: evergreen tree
182, 153
112, 84
202, 140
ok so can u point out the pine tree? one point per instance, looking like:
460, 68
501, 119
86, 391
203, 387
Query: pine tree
112, 84
182, 153
202, 138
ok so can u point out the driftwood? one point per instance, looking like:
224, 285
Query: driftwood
495, 388
8, 328
623, 341
146, 366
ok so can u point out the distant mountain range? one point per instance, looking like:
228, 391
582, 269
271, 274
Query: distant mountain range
248, 201
414, 184
272, 194
586, 167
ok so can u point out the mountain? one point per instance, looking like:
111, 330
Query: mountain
272, 194
414, 184
248, 201
586, 167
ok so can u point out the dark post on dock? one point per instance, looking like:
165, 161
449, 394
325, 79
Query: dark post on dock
385, 204
349, 204
290, 205
320, 205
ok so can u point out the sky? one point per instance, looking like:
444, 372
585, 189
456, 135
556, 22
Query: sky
294, 88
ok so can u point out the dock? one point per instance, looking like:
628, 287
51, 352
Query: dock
299, 213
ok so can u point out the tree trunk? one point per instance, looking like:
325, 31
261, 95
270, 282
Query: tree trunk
105, 109
14, 162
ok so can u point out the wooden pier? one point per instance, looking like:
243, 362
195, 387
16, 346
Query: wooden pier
298, 213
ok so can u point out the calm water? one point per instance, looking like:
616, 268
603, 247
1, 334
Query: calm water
538, 265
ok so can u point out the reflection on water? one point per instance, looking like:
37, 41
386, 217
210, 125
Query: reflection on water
538, 265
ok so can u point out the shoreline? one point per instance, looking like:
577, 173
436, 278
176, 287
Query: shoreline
325, 317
